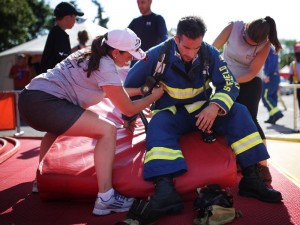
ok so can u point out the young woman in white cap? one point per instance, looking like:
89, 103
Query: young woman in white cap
56, 102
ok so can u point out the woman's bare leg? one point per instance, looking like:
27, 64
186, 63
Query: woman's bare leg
46, 143
104, 131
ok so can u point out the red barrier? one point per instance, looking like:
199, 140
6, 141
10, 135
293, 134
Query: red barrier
7, 111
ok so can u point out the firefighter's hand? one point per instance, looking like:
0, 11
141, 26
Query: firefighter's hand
207, 117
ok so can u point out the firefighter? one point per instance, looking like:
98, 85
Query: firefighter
184, 107
270, 87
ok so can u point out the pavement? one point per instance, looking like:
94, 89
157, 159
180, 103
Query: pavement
284, 129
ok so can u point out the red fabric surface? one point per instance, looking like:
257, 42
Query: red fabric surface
19, 206
67, 170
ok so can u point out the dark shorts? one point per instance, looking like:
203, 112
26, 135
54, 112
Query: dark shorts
48, 113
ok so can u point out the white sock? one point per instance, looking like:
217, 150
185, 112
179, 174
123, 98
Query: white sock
106, 195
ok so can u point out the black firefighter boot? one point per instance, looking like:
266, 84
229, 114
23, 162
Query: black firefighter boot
251, 185
165, 199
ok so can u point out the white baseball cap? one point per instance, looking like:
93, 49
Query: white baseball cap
126, 40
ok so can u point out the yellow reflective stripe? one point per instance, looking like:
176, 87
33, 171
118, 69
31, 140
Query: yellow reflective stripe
246, 143
195, 106
224, 98
172, 109
162, 153
184, 93
274, 111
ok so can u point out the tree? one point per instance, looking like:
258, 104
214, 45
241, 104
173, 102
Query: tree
22, 21
43, 20
287, 55
101, 21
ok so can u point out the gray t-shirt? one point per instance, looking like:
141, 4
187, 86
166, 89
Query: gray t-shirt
68, 80
238, 54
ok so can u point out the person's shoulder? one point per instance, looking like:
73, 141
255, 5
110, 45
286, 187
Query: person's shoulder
236, 23
135, 22
208, 46
136, 19
56, 30
156, 50
210, 50
14, 67
157, 16
106, 61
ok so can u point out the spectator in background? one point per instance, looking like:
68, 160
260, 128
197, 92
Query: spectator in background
19, 72
295, 70
270, 87
83, 37
150, 27
246, 47
58, 45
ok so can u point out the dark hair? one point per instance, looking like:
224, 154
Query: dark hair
191, 26
261, 29
83, 37
98, 49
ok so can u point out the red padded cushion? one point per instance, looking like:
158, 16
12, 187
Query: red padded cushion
67, 170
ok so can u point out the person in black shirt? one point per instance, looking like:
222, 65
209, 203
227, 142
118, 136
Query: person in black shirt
150, 27
58, 45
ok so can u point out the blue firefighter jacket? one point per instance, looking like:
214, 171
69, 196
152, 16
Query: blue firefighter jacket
182, 88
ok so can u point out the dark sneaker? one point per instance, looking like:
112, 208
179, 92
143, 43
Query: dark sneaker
276, 117
270, 120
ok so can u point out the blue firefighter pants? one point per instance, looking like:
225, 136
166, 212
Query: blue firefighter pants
164, 156
269, 95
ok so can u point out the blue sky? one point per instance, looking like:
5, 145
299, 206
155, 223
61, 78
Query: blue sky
216, 13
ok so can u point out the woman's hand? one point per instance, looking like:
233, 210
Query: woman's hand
157, 92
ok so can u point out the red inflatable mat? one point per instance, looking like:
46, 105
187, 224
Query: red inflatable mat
67, 170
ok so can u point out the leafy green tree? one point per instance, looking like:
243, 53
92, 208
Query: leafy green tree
16, 17
43, 18
287, 55
22, 20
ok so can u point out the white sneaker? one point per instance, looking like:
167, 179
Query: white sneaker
115, 203
35, 187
